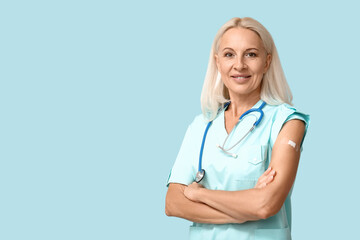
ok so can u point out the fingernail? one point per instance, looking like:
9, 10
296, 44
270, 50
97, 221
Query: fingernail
273, 172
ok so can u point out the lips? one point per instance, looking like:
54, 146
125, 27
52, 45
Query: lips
241, 76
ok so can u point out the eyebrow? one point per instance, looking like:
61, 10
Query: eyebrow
245, 50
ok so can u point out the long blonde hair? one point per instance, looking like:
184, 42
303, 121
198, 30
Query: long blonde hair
274, 90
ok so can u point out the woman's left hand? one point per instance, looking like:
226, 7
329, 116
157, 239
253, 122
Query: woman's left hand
192, 190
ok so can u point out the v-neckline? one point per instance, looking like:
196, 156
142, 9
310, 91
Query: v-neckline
223, 117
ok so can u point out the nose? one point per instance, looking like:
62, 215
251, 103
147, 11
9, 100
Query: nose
240, 63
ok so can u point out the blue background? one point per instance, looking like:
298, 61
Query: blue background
96, 96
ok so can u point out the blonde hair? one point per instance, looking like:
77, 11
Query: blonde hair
274, 90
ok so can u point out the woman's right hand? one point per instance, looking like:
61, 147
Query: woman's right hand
266, 178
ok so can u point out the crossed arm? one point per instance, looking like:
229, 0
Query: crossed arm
198, 204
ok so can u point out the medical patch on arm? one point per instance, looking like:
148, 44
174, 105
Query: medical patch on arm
291, 144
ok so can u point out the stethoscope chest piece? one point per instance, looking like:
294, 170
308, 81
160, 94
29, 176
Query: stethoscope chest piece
200, 175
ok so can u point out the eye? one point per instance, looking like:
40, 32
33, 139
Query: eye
228, 54
251, 54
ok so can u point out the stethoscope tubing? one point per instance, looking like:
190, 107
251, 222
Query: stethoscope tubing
259, 109
203, 143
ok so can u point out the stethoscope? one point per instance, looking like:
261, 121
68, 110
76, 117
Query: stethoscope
201, 172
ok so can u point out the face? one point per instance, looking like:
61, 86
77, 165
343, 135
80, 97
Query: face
242, 61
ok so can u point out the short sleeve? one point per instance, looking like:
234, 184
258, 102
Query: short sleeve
183, 171
284, 114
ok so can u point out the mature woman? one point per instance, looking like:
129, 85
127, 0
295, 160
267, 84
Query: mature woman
235, 170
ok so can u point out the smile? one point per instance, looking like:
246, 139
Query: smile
241, 77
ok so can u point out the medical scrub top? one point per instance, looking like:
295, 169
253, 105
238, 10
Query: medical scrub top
224, 172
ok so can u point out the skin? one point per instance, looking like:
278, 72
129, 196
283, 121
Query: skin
258, 203
241, 53
180, 202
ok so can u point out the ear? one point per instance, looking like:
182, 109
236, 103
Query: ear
217, 61
268, 61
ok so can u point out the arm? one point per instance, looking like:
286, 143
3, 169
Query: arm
255, 204
176, 204
180, 206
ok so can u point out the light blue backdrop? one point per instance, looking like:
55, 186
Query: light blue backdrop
96, 96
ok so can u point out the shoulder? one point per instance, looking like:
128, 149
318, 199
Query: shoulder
196, 124
199, 121
282, 113
281, 108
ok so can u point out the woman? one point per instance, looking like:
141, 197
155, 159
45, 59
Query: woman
248, 175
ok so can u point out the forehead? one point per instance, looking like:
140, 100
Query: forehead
240, 38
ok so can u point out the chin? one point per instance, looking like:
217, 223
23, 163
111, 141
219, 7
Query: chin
244, 90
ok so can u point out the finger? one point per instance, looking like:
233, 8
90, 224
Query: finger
266, 174
265, 182
271, 173
269, 180
261, 185
261, 180
267, 171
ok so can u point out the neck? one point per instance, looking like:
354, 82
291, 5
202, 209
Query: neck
240, 104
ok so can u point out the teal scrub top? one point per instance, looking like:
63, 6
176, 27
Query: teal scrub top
224, 172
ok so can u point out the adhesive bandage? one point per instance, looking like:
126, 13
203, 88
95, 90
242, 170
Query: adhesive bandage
292, 144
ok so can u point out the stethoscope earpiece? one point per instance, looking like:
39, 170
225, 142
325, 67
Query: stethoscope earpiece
228, 153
